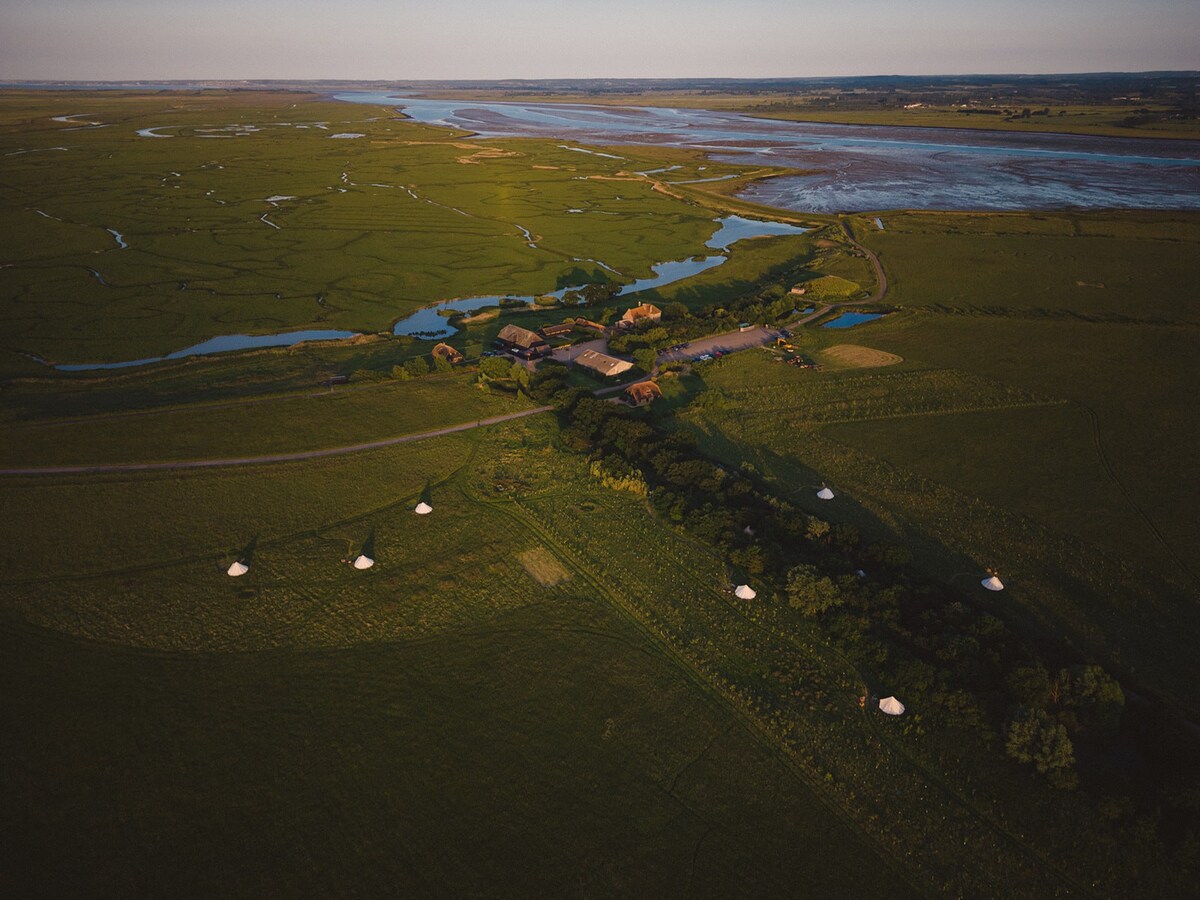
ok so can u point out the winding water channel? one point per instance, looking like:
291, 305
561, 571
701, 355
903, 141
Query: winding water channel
434, 322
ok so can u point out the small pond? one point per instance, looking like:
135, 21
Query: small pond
850, 319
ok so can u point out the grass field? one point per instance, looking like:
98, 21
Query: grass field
461, 718
547, 687
1019, 430
257, 427
250, 217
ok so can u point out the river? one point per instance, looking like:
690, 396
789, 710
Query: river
860, 168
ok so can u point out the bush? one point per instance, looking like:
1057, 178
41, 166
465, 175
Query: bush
810, 592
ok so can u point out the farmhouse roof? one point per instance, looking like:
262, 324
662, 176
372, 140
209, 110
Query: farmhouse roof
603, 363
445, 351
642, 311
520, 337
643, 391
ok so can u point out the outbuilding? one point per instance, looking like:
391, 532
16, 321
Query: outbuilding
642, 393
448, 353
602, 365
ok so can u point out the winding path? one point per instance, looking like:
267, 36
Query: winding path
273, 458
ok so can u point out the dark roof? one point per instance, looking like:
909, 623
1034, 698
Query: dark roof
519, 337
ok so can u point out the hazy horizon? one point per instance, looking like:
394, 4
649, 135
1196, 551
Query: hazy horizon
374, 40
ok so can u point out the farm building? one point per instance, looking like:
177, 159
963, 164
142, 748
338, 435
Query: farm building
588, 324
522, 342
646, 312
642, 393
448, 353
556, 330
602, 365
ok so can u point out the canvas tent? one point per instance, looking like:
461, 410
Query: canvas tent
825, 493
238, 569
992, 583
891, 706
423, 509
362, 561
745, 592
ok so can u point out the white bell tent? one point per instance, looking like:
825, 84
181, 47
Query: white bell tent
238, 569
423, 509
992, 583
825, 494
745, 592
891, 706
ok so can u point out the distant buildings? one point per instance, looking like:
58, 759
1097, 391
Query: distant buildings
522, 342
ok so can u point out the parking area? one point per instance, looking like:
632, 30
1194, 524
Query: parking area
721, 344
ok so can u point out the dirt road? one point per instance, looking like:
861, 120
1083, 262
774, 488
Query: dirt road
274, 458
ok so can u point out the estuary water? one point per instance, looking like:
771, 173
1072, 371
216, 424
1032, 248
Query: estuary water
858, 168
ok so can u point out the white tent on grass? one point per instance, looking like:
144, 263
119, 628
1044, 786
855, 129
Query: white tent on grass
238, 569
362, 561
423, 509
825, 494
745, 592
891, 706
992, 583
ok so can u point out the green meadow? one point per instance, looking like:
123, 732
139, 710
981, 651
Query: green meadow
441, 722
248, 214
1039, 422
547, 686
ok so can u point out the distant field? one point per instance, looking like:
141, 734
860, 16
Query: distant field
251, 217
1096, 119
1102, 121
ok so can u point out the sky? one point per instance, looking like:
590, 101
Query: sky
478, 39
